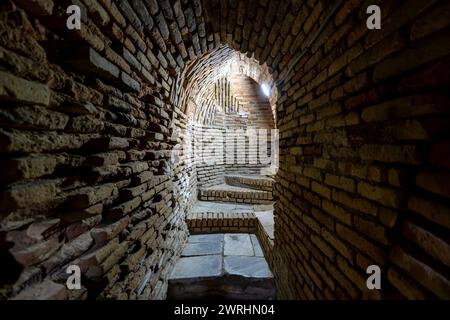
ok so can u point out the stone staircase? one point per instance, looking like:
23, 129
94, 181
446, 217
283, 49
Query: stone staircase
229, 252
244, 203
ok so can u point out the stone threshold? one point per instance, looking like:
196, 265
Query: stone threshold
227, 266
239, 222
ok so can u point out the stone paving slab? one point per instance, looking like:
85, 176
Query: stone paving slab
229, 266
238, 244
267, 221
263, 207
211, 206
206, 238
256, 246
196, 267
202, 248
251, 267
250, 176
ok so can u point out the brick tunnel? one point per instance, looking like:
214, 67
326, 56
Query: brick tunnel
99, 126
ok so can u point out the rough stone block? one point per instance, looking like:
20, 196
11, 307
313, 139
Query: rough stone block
89, 60
18, 90
37, 7
47, 290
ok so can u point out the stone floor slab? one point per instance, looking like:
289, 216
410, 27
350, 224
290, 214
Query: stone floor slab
227, 187
256, 246
197, 267
222, 276
252, 267
206, 238
213, 206
267, 221
238, 244
263, 207
202, 248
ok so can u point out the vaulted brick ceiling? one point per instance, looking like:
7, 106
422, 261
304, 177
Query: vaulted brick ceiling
196, 82
200, 39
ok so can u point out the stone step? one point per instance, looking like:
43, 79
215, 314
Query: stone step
230, 266
227, 193
211, 216
257, 182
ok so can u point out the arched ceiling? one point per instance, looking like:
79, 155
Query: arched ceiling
195, 42
195, 85
208, 39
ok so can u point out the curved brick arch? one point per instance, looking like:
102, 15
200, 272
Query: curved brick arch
198, 77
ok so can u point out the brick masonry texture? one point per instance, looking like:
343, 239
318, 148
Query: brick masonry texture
218, 222
250, 182
87, 122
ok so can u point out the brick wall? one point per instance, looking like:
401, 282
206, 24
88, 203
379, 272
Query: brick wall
209, 155
88, 120
363, 118
234, 106
87, 173
226, 148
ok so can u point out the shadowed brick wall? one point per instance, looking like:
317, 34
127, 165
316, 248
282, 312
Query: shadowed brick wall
364, 125
87, 122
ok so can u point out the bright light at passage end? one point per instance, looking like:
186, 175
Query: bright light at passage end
266, 89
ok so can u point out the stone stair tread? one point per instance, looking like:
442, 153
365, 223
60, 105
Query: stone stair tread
229, 265
251, 181
212, 255
267, 222
215, 206
250, 176
205, 266
202, 249
238, 245
227, 187
235, 194
245, 266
